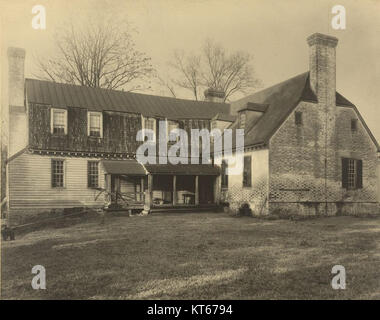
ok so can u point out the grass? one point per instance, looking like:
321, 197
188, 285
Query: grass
196, 256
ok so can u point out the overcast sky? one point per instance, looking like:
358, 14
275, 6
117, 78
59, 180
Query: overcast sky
273, 31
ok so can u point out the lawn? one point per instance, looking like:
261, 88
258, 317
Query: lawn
196, 256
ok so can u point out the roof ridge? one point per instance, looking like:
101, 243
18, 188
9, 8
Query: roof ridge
129, 92
278, 84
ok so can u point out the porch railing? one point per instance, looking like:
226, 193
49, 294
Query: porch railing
129, 198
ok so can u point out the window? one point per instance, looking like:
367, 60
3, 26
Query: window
247, 176
95, 124
58, 121
242, 119
149, 123
298, 118
57, 173
354, 124
352, 177
92, 174
224, 176
171, 125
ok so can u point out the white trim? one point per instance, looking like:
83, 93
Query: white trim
52, 110
89, 113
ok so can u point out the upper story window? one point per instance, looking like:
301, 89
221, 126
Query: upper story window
352, 177
95, 124
149, 123
247, 171
354, 124
298, 118
242, 119
58, 121
171, 125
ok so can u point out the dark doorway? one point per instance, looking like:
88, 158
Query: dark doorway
206, 189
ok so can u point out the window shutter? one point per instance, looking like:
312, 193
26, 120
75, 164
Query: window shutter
359, 174
88, 175
51, 172
345, 173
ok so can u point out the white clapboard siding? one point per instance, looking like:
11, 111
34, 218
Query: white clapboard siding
30, 183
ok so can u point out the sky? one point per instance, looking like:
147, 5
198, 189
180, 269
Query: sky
274, 32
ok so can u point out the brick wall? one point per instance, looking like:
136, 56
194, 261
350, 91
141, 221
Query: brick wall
301, 182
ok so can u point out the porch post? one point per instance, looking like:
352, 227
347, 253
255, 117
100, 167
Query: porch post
107, 181
174, 190
148, 195
217, 187
117, 187
196, 191
142, 194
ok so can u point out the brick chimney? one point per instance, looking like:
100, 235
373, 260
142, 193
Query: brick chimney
323, 83
16, 81
214, 95
18, 125
323, 66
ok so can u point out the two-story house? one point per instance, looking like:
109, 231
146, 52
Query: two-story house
69, 141
306, 147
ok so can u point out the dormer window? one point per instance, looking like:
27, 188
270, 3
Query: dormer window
298, 118
95, 124
58, 121
354, 125
242, 119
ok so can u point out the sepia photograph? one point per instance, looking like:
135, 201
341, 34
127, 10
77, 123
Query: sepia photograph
197, 152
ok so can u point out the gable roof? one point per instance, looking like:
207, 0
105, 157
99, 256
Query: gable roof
62, 95
281, 99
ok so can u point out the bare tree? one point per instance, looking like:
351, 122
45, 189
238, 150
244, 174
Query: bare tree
98, 55
167, 84
189, 69
214, 68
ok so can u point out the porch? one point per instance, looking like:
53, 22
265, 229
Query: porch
154, 187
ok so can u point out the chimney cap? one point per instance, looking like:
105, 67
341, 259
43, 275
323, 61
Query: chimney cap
212, 92
16, 52
322, 39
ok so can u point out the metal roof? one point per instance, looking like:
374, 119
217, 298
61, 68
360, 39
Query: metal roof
134, 168
97, 99
183, 169
129, 166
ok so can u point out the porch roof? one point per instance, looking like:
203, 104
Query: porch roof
183, 169
133, 167
128, 167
